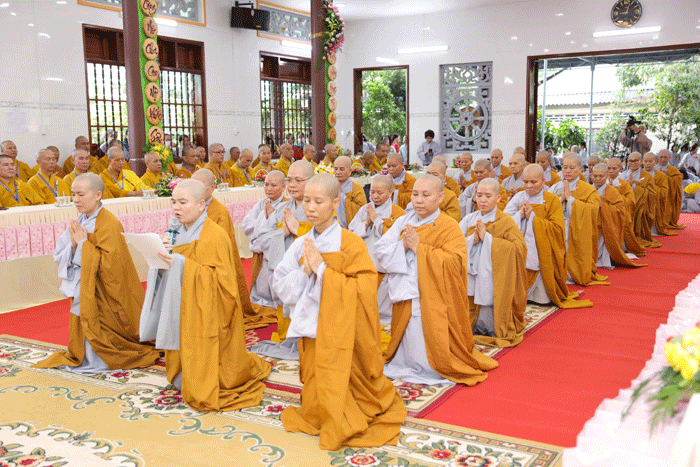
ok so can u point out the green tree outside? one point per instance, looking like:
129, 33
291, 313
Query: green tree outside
384, 103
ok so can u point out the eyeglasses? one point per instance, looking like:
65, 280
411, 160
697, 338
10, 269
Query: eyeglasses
296, 181
219, 152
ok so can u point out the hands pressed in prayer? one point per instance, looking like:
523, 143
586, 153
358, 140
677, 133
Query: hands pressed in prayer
167, 257
371, 215
77, 233
312, 258
480, 232
526, 210
565, 192
290, 223
268, 208
410, 238
463, 181
511, 192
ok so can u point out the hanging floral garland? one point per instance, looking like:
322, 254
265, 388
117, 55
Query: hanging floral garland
334, 34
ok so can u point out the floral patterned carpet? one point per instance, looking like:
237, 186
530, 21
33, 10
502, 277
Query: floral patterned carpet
53, 418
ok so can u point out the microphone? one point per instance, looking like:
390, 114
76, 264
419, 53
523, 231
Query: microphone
173, 225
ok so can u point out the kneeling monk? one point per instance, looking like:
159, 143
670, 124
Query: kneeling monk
98, 274
193, 311
328, 282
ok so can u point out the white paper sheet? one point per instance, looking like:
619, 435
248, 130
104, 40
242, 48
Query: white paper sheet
148, 244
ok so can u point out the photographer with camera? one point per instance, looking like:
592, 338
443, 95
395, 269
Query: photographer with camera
634, 138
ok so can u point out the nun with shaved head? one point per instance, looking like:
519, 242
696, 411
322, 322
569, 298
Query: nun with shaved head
98, 274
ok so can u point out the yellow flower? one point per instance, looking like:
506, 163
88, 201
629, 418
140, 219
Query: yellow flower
689, 366
674, 352
691, 338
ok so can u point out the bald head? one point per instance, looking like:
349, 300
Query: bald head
395, 156
600, 168
593, 161
90, 181
303, 168
428, 181
598, 175
440, 159
534, 170
490, 183
543, 159
482, 163
205, 176
383, 181
519, 150
516, 164
572, 158
113, 152
330, 186
194, 188
42, 153
275, 175
331, 151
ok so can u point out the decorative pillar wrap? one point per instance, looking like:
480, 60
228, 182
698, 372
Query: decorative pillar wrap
150, 72
333, 38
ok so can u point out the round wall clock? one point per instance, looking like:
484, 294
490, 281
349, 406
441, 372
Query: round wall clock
626, 13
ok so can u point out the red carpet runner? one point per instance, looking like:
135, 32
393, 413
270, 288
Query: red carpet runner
547, 387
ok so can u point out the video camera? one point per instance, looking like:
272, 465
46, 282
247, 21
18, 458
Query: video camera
632, 121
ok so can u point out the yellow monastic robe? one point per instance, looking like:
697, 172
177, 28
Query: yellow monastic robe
675, 196
172, 168
582, 248
241, 176
217, 371
126, 182
70, 178
223, 173
645, 209
662, 218
450, 205
346, 399
185, 171
58, 171
452, 185
266, 168
23, 171
149, 179
26, 196
374, 165
48, 187
611, 224
111, 298
631, 241
548, 225
283, 165
442, 283
325, 165
405, 190
101, 165
69, 166
508, 255
312, 162
555, 178
505, 173
354, 200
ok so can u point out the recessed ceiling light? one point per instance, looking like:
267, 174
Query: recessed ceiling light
31, 25
4, 5
625, 32
53, 79
61, 2
417, 50
43, 34
514, 38
546, 50
568, 33
560, 14
572, 42
13, 13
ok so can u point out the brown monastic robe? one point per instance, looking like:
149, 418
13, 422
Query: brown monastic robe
662, 218
450, 205
405, 190
611, 224
354, 200
631, 241
675, 196
645, 209
452, 185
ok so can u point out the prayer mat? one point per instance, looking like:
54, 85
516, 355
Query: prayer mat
134, 418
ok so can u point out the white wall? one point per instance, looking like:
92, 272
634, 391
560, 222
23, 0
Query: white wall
55, 112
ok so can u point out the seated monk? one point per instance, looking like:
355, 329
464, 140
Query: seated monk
500, 171
581, 204
57, 171
190, 160
403, 181
261, 274
216, 165
98, 274
593, 160
81, 164
541, 219
467, 200
497, 282
328, 282
276, 235
450, 183
310, 154
382, 152
352, 195
82, 143
611, 221
286, 158
370, 223
425, 256
154, 170
675, 189
644, 188
119, 181
13, 191
264, 156
45, 183
544, 160
370, 163
631, 244
192, 311
235, 153
663, 211
465, 176
450, 204
331, 152
514, 183
22, 170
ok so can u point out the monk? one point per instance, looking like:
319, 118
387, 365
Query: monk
467, 200
540, 216
370, 163
264, 158
662, 217
57, 171
190, 161
675, 189
645, 197
310, 154
425, 256
581, 205
82, 143
382, 152
544, 160
235, 153
465, 176
372, 221
514, 182
497, 282
22, 170
216, 165
243, 173
261, 274
403, 181
450, 183
154, 170
631, 242
98, 274
500, 171
81, 164
329, 159
352, 195
119, 181
328, 282
13, 191
45, 183
450, 204
276, 235
611, 221
286, 158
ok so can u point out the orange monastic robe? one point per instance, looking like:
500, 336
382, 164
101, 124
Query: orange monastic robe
150, 179
283, 165
675, 196
442, 284
372, 166
453, 186
662, 218
23, 171
111, 298
222, 173
450, 205
68, 165
217, 371
405, 190
645, 209
555, 178
354, 200
505, 173
611, 224
26, 196
346, 399
58, 171
185, 171
508, 255
631, 241
49, 187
